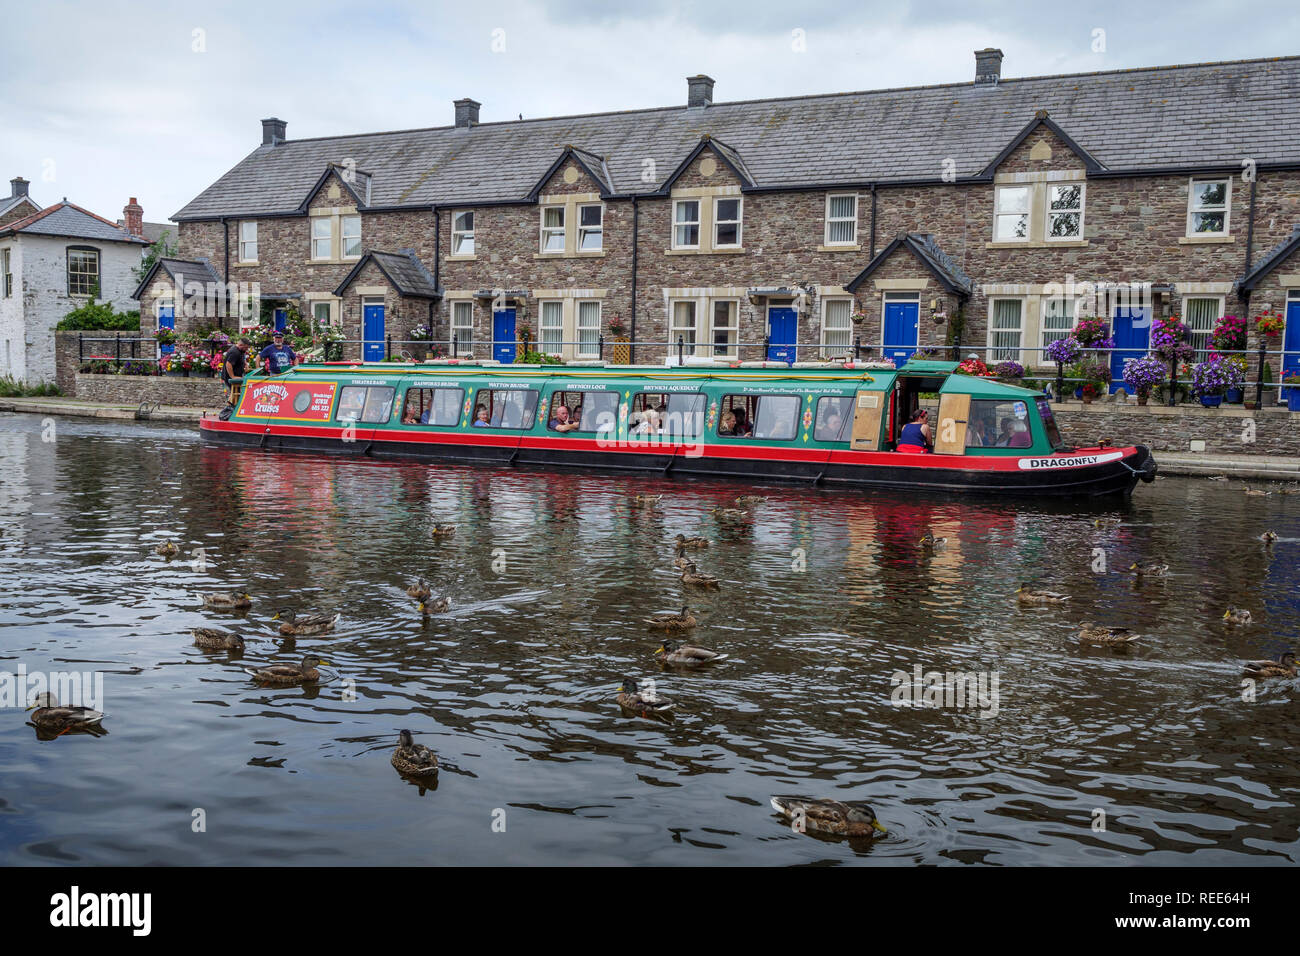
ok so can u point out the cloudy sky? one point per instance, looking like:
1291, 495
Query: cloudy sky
105, 100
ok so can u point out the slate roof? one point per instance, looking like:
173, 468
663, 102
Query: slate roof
12, 202
403, 269
922, 245
1193, 116
180, 270
66, 220
1270, 260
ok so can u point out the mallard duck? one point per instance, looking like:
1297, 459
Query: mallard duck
168, 549
287, 674
644, 703
850, 818
1236, 615
228, 601
419, 590
1090, 633
687, 655
1106, 523
646, 501
1027, 595
1149, 570
49, 715
731, 515
746, 500
682, 561
929, 541
411, 759
1290, 490
1284, 666
444, 530
216, 639
692, 576
307, 624
672, 622
684, 542
1268, 537
1257, 492
435, 607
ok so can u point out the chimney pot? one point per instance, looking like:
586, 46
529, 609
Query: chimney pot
699, 90
273, 131
466, 112
18, 187
133, 218
988, 66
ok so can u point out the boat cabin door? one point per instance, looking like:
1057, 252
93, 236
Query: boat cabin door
950, 429
867, 409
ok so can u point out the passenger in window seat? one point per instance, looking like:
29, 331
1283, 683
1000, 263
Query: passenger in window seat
743, 429
727, 427
481, 417
1014, 435
915, 437
561, 422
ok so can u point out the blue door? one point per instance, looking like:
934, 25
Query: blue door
503, 335
372, 333
166, 320
1132, 340
783, 334
1291, 344
279, 316
900, 330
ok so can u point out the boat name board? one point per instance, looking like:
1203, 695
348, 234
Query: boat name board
289, 401
1077, 461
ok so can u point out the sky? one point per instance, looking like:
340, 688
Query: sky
101, 101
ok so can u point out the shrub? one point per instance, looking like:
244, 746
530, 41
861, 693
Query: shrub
10, 387
99, 316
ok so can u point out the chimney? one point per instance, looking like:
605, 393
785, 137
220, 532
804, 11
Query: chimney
467, 112
18, 187
273, 131
699, 90
133, 218
988, 66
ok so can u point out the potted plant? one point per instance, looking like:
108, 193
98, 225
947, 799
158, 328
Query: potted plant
1236, 394
1213, 377
973, 366
1229, 335
1093, 334
1269, 324
1143, 375
1010, 372
1292, 382
1094, 377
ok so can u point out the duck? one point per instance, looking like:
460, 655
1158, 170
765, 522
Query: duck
49, 715
444, 530
672, 622
288, 674
646, 501
438, 606
1257, 492
928, 540
687, 655
1236, 615
1027, 595
684, 542
217, 639
1284, 666
850, 818
682, 561
307, 624
419, 590
1106, 523
643, 703
411, 759
1149, 570
746, 500
1090, 633
731, 515
1268, 537
228, 601
168, 549
692, 576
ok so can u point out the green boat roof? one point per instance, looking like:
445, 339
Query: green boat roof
927, 367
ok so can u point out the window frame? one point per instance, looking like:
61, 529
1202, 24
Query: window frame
365, 404
327, 238
584, 230
690, 346
1049, 213
245, 242
95, 283
1043, 305
548, 231
827, 301
724, 406
453, 326
826, 232
698, 399
1019, 349
555, 306
530, 412
550, 410
732, 347
6, 273
330, 321
343, 237
1193, 210
679, 224
579, 349
846, 423
739, 222
1202, 353
462, 235
998, 191
431, 404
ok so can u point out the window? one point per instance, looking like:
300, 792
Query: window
248, 242
726, 327
6, 273
842, 220
591, 227
771, 417
1004, 329
462, 233
552, 326
834, 418
351, 237
686, 224
593, 411
508, 408
683, 326
1049, 423
1057, 321
322, 237
370, 404
462, 324
1011, 220
588, 329
998, 424
1200, 316
553, 229
322, 314
726, 223
433, 406
680, 414
837, 326
83, 271
1207, 207
1065, 211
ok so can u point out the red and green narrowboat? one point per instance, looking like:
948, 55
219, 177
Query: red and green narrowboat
834, 425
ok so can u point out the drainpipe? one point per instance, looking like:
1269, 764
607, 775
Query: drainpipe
873, 223
437, 272
1250, 224
225, 268
636, 218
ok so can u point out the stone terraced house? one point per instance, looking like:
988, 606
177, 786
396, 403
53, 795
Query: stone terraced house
896, 219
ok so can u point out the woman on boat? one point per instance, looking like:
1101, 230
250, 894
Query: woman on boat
743, 429
481, 417
915, 436
727, 426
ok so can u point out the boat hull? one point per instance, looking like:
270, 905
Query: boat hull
1094, 472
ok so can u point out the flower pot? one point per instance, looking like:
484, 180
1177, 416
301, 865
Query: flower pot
1078, 392
1234, 396
1211, 401
176, 374
1143, 399
1086, 396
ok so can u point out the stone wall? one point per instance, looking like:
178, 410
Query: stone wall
163, 389
1229, 429
67, 350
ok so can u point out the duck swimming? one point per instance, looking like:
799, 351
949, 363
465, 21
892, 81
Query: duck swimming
692, 577
850, 818
444, 530
419, 590
227, 601
167, 549
49, 715
1284, 666
1149, 570
1090, 633
216, 639
1236, 615
686, 655
672, 622
1027, 595
306, 624
411, 759
643, 703
288, 674
684, 542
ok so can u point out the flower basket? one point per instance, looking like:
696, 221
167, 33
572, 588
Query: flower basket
1229, 334
977, 368
1144, 374
1065, 351
1213, 377
1012, 373
1269, 324
1093, 333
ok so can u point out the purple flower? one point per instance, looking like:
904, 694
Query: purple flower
1064, 350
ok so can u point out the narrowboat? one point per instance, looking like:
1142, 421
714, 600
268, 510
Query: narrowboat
835, 425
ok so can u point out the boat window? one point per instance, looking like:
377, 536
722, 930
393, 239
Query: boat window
509, 408
371, 404
352, 399
593, 411
678, 415
1049, 424
770, 417
433, 406
834, 418
998, 424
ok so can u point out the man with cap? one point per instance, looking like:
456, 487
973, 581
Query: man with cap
232, 368
277, 357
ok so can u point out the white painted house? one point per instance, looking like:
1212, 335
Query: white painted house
51, 262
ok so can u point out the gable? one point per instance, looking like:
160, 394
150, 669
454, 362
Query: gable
571, 177
710, 165
333, 191
1042, 146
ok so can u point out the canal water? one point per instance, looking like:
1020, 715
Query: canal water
1077, 755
